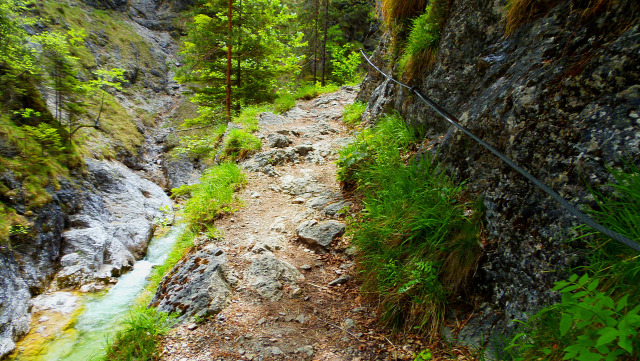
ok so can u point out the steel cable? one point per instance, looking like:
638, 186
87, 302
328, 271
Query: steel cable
568, 206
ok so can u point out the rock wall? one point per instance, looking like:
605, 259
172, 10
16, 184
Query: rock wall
100, 222
560, 97
92, 231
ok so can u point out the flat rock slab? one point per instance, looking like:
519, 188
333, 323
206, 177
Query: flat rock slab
197, 285
320, 234
270, 119
267, 274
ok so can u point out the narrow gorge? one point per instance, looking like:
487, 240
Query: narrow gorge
231, 180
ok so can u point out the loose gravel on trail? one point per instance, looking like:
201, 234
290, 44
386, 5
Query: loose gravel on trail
291, 273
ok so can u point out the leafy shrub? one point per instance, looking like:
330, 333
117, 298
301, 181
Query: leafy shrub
416, 245
239, 144
138, 340
345, 60
422, 45
591, 325
598, 317
213, 196
353, 113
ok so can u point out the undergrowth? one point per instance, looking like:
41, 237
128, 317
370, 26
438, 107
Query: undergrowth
598, 317
138, 340
239, 144
214, 196
416, 244
352, 114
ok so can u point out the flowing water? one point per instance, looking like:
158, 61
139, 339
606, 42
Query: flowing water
101, 315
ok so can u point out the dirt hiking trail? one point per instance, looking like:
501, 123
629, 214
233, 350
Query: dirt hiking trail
293, 292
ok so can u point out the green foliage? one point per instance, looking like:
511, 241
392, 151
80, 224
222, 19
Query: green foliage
214, 196
263, 51
202, 144
598, 317
284, 102
345, 60
352, 114
139, 338
591, 325
239, 144
416, 244
311, 90
422, 45
248, 117
423, 355
48, 137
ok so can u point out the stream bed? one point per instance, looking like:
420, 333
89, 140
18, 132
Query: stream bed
101, 315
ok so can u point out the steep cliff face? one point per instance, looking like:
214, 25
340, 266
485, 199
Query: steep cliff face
561, 97
99, 220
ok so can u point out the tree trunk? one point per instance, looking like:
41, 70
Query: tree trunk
239, 44
315, 41
324, 42
229, 41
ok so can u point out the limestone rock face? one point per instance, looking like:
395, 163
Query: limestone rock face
114, 226
196, 287
548, 102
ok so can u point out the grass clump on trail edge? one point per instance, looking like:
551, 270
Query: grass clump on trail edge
598, 317
416, 244
352, 114
214, 196
240, 144
139, 338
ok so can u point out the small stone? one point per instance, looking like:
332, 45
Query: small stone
241, 351
276, 351
191, 326
301, 319
308, 349
295, 292
261, 321
298, 200
341, 280
43, 319
306, 267
349, 323
255, 195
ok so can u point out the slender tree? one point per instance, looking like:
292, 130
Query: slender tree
315, 40
229, 46
324, 42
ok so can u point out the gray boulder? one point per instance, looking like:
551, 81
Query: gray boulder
320, 234
278, 140
196, 287
267, 274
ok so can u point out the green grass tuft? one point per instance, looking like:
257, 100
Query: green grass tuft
352, 114
240, 144
422, 45
214, 196
140, 336
416, 244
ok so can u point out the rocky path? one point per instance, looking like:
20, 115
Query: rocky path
280, 275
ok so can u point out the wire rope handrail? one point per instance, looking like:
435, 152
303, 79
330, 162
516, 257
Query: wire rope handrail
568, 206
